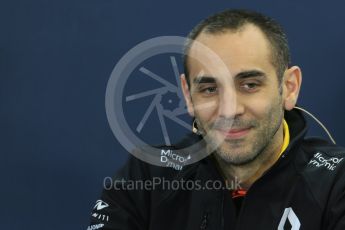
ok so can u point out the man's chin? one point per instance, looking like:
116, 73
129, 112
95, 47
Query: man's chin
235, 156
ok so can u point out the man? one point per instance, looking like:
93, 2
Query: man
245, 112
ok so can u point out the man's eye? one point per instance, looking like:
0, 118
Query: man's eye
209, 90
249, 86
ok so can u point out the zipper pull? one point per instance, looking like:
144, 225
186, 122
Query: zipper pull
204, 221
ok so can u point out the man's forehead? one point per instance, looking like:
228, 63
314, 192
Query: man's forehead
250, 38
239, 50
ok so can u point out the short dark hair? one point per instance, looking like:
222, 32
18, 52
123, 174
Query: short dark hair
234, 20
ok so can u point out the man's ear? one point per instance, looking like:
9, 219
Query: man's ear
187, 95
291, 85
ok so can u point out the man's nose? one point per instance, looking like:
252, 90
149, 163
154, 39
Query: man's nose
230, 104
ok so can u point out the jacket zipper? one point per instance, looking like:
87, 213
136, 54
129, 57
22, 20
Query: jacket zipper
204, 221
222, 211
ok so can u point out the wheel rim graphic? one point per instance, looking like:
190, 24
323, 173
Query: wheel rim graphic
114, 98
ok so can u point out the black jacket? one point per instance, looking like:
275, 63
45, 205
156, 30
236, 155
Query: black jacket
304, 189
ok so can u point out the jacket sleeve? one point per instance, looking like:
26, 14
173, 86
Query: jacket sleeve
336, 215
335, 212
124, 204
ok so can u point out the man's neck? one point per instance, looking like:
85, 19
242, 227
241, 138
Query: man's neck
247, 174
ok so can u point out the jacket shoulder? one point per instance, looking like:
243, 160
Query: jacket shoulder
323, 156
324, 168
322, 145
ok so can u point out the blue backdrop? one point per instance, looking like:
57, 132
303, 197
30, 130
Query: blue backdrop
55, 60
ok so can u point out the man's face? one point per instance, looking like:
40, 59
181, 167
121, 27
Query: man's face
240, 109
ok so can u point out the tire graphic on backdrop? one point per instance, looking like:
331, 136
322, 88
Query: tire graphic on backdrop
167, 101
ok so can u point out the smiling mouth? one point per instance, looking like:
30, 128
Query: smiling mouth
235, 133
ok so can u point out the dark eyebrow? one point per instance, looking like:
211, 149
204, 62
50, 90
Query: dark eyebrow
241, 75
204, 79
249, 74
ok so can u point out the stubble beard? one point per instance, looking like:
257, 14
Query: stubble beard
240, 152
